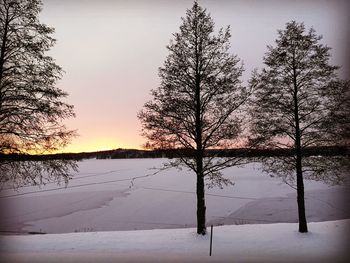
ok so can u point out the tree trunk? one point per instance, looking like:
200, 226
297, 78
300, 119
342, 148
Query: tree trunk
300, 194
298, 164
201, 209
201, 229
2, 55
3, 45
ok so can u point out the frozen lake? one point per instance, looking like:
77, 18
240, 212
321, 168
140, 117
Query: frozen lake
103, 197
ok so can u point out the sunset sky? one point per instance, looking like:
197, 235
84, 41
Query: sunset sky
111, 50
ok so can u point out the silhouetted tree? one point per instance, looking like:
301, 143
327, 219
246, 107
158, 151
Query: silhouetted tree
197, 104
339, 111
296, 95
31, 109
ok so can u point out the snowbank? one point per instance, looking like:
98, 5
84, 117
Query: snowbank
237, 243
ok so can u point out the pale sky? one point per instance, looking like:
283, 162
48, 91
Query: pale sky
111, 50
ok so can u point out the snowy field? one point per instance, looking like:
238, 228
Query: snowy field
271, 243
103, 197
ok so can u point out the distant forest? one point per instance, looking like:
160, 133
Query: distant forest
174, 153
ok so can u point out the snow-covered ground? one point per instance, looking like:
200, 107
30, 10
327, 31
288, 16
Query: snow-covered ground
325, 242
103, 197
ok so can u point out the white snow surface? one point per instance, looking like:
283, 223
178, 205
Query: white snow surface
325, 242
103, 197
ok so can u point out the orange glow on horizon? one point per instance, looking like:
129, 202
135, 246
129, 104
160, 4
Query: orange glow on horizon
97, 145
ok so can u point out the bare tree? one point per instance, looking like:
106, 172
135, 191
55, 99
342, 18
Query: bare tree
197, 105
31, 107
296, 95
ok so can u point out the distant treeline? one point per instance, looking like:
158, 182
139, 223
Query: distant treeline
174, 153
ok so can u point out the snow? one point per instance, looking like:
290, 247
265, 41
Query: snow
165, 200
236, 243
90, 221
